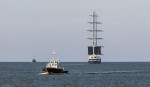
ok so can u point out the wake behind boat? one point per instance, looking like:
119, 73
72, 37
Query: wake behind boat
53, 66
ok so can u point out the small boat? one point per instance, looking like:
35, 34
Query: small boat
33, 61
53, 66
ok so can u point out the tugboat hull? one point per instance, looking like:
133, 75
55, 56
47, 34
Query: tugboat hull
54, 70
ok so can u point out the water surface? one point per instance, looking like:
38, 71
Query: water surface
81, 74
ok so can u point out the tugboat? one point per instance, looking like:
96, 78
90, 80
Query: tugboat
94, 51
53, 66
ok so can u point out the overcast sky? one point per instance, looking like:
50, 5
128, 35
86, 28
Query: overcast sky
34, 28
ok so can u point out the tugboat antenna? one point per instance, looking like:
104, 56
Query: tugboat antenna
53, 54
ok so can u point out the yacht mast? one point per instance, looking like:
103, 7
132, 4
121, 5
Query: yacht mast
94, 31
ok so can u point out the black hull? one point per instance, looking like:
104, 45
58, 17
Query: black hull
54, 70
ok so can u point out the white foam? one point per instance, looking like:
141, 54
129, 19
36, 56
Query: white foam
45, 73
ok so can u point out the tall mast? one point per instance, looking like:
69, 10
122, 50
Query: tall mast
94, 30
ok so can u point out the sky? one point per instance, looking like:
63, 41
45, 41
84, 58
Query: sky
34, 28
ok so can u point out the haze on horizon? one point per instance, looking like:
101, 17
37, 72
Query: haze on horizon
34, 28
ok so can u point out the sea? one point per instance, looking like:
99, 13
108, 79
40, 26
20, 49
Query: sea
81, 74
